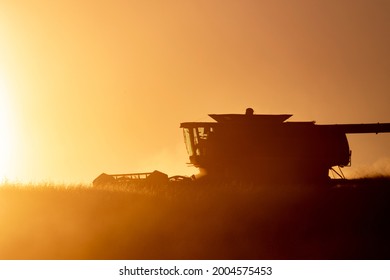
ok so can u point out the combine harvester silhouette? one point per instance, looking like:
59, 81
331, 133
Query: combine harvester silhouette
259, 148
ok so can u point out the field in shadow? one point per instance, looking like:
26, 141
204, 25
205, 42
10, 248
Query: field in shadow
210, 221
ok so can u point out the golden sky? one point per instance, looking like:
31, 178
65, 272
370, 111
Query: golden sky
101, 86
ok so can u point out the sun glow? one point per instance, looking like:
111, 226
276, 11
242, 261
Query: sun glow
7, 145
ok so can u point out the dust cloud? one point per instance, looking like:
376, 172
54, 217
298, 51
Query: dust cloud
379, 168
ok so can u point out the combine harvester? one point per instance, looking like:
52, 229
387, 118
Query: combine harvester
259, 148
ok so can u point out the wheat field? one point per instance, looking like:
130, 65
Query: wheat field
220, 221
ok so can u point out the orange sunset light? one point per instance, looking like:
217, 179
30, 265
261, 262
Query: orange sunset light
101, 86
